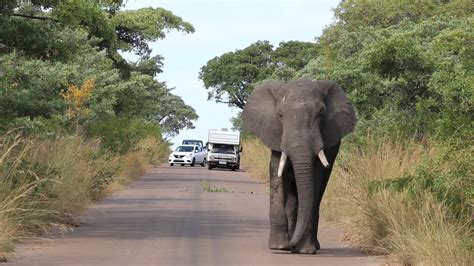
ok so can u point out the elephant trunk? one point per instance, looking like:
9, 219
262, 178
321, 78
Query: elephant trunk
303, 170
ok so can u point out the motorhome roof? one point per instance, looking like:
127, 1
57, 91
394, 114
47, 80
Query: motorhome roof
224, 137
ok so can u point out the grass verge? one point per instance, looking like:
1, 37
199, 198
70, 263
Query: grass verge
255, 158
45, 182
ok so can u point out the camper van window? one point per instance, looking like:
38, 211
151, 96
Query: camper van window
222, 148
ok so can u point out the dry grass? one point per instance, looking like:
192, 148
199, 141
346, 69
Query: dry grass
256, 158
355, 168
413, 230
148, 152
46, 182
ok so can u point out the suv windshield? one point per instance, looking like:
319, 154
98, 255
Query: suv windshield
185, 148
223, 148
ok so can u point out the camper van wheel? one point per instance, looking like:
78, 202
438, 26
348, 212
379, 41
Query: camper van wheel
209, 167
171, 164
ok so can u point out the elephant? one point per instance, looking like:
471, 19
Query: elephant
302, 122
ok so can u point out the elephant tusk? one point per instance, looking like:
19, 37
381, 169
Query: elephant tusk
281, 166
322, 158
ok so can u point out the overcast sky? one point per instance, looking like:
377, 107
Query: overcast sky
223, 26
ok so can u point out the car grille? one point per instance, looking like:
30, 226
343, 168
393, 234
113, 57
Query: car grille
178, 156
223, 158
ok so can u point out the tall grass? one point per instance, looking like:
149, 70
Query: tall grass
410, 200
387, 203
45, 182
255, 158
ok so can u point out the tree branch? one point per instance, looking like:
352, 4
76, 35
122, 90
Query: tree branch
35, 17
235, 103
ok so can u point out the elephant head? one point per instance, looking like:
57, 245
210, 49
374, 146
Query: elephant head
299, 118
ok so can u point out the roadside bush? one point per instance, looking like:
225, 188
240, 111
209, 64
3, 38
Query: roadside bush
405, 199
122, 135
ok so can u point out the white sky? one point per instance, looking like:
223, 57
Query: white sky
223, 26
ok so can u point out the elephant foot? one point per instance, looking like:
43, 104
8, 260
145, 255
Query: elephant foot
318, 246
305, 247
279, 241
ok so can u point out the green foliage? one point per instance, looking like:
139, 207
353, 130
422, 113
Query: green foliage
294, 54
27, 88
136, 27
356, 14
143, 97
122, 135
47, 56
48, 47
232, 76
420, 70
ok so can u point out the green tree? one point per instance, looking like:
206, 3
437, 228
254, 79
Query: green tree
116, 30
295, 54
403, 72
232, 76
47, 46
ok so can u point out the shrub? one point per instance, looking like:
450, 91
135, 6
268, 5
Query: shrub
122, 135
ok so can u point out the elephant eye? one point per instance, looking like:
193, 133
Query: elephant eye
280, 114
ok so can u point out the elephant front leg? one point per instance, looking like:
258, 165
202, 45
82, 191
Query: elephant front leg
278, 221
291, 198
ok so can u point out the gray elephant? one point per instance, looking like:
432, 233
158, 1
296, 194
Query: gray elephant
302, 122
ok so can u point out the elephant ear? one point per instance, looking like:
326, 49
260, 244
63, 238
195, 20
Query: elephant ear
339, 118
260, 116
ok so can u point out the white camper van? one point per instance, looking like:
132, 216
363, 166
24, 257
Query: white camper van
223, 149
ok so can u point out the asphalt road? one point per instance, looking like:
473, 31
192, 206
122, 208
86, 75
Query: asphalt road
165, 218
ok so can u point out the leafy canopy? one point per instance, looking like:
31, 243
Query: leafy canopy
48, 46
232, 76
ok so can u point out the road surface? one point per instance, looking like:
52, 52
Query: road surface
165, 218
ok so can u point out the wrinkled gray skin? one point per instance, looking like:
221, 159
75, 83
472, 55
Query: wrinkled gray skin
300, 117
